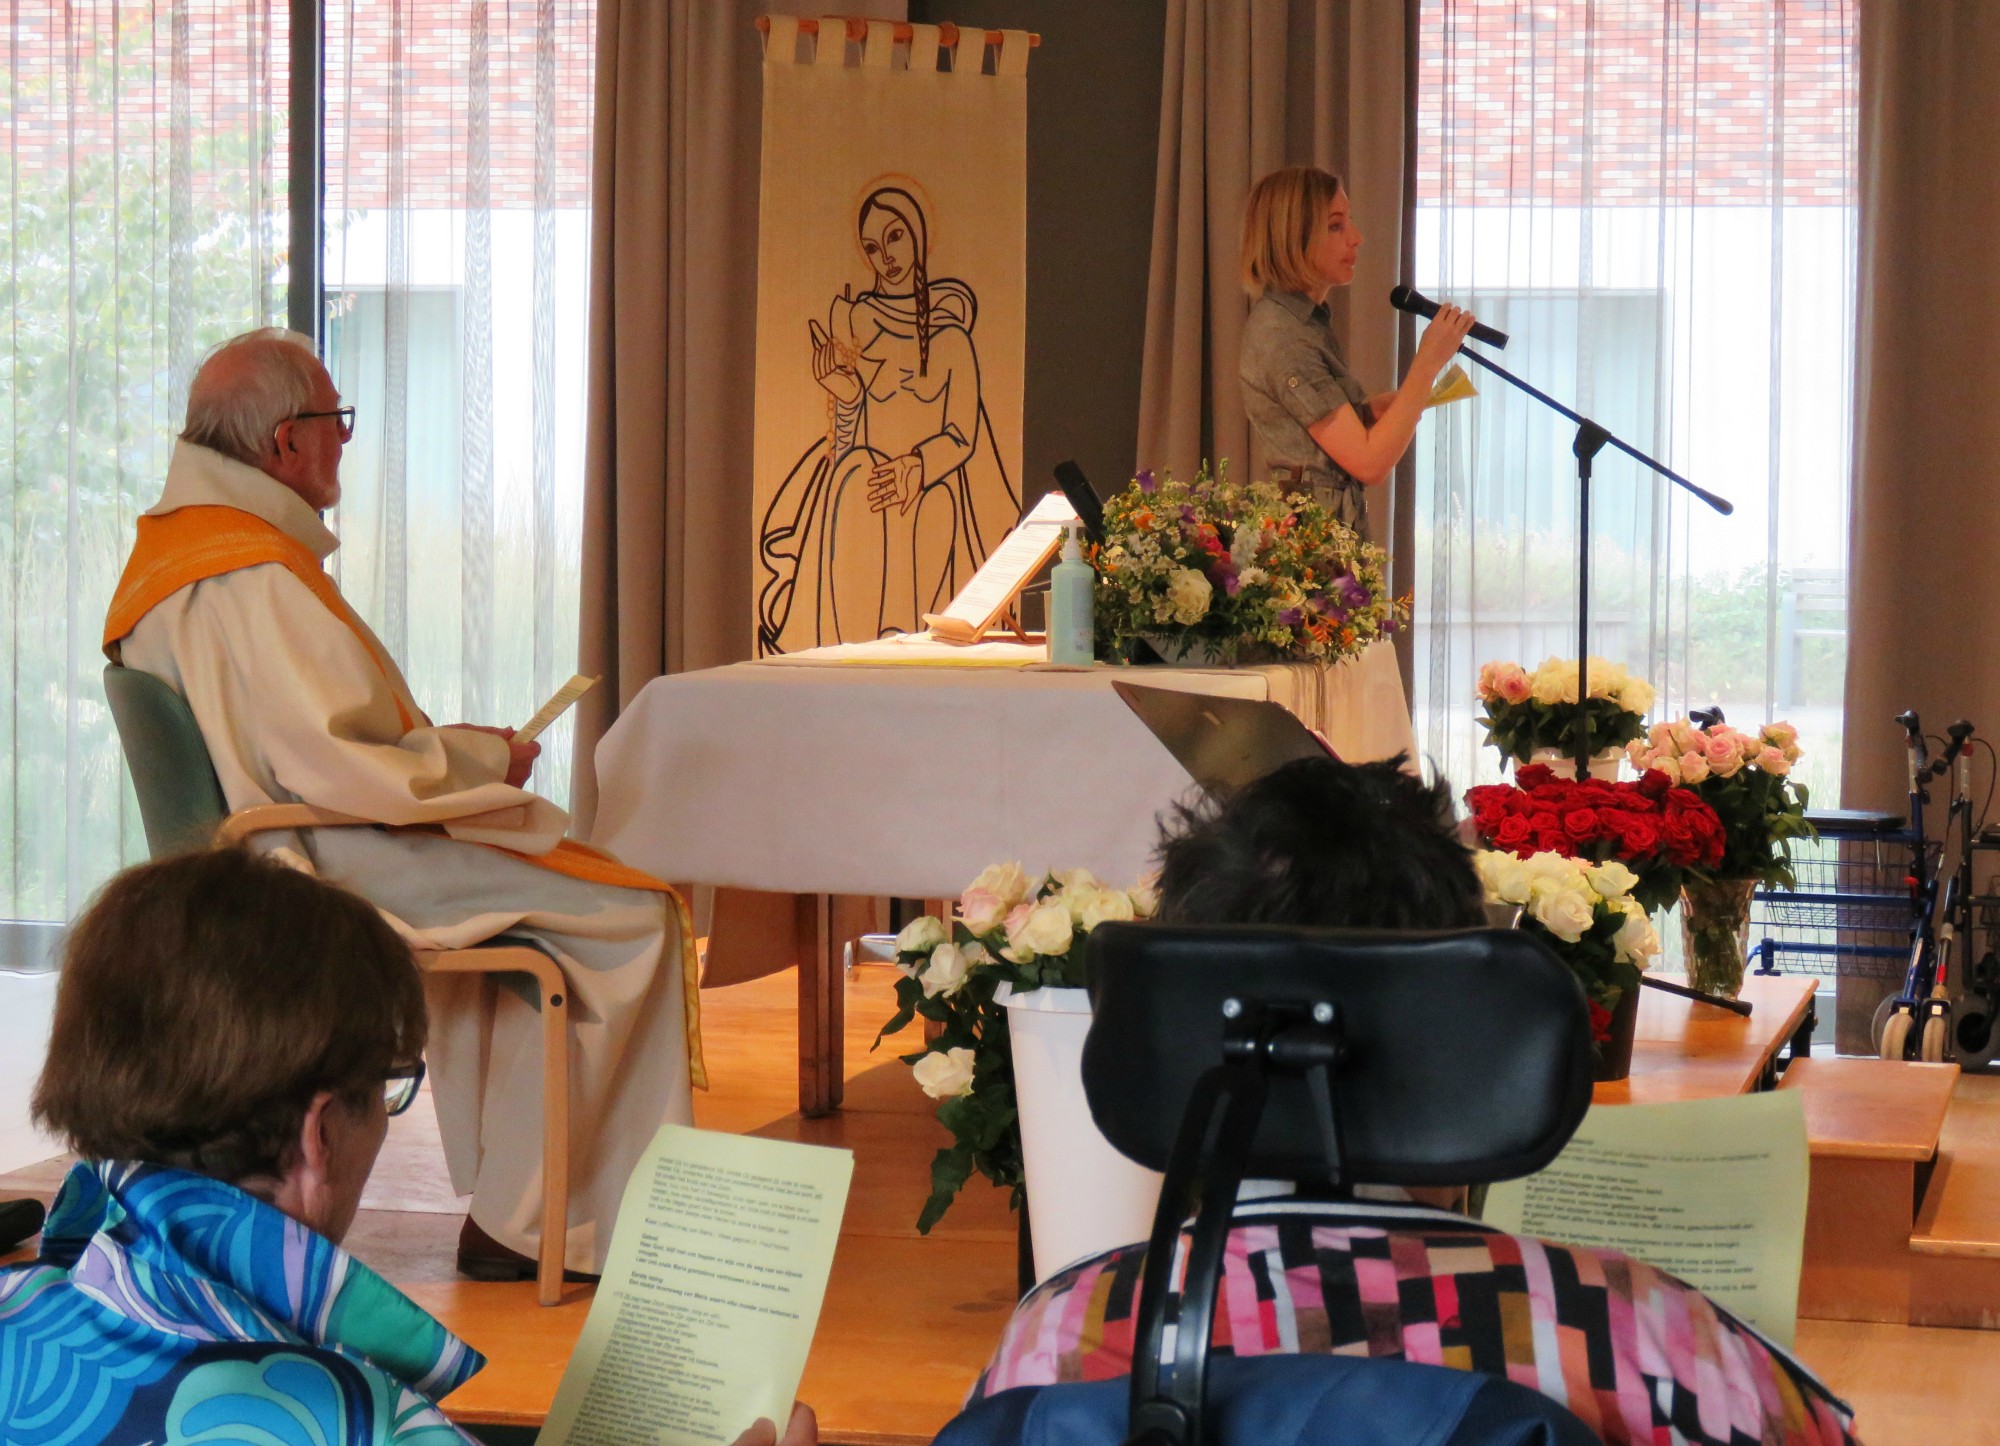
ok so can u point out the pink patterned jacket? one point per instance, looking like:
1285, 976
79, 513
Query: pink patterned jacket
1634, 1353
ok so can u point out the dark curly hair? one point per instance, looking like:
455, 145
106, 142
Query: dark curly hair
1321, 844
206, 999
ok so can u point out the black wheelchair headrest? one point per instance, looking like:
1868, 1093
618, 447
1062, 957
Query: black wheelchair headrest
1464, 1057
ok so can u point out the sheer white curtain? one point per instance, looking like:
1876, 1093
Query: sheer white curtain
1657, 198
142, 218
457, 269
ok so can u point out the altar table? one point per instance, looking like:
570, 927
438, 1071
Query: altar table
897, 770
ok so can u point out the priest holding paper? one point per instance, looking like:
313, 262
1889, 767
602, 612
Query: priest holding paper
226, 599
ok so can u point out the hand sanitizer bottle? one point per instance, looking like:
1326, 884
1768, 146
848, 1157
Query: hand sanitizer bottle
1072, 621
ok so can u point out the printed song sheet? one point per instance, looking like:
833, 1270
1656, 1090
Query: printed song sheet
717, 1269
1712, 1191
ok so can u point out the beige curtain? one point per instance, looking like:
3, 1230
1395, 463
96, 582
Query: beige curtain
1249, 86
1925, 599
673, 297
673, 318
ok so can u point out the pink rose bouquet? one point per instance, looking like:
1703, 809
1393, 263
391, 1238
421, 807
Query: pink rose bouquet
1745, 778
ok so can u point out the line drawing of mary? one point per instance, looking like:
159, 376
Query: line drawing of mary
887, 515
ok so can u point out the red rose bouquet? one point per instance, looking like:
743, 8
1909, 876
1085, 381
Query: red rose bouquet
1652, 827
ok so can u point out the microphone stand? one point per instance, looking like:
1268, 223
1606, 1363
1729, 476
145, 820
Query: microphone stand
1590, 440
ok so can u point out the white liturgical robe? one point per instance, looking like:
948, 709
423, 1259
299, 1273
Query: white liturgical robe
297, 704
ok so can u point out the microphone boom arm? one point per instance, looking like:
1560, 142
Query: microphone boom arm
1720, 504
1590, 439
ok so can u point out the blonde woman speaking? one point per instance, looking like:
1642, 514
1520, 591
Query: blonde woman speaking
1321, 430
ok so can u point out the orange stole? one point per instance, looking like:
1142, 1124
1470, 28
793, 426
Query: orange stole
193, 544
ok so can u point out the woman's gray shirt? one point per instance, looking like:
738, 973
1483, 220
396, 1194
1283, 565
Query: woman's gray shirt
1293, 377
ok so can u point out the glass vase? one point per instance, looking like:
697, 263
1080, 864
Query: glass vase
1715, 933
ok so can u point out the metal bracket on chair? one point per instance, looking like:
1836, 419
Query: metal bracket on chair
1259, 1039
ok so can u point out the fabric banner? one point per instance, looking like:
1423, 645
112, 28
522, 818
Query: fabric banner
891, 267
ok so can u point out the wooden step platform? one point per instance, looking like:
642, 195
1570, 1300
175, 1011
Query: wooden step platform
1903, 1223
1956, 1244
1873, 1127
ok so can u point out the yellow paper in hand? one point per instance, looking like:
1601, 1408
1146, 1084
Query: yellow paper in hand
557, 705
717, 1270
1453, 386
1713, 1191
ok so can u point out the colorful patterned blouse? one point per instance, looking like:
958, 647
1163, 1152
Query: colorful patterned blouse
170, 1308
1635, 1354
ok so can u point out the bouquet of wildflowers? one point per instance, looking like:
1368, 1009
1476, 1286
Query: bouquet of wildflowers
1744, 778
1011, 929
1526, 711
1585, 913
1652, 827
1254, 572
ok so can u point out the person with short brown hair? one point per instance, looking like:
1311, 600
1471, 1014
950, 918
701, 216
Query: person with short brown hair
273, 988
231, 1036
1321, 430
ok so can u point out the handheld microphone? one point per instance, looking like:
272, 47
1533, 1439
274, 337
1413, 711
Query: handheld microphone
1417, 304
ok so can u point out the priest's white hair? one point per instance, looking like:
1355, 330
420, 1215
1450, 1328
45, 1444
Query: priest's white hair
245, 387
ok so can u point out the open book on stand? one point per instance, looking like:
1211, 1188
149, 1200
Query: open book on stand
989, 599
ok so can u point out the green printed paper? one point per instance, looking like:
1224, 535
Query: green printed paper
1711, 1191
717, 1270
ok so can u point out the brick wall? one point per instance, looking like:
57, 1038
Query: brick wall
431, 46
81, 82
1730, 102
1538, 104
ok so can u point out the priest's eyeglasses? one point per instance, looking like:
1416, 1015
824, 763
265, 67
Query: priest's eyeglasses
345, 416
399, 1088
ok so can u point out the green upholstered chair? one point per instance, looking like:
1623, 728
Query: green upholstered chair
180, 799
182, 807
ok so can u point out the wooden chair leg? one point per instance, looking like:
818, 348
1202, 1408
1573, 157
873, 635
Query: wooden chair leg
555, 1142
554, 993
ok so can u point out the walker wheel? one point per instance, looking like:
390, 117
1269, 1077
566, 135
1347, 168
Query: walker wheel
1931, 1051
1974, 1039
1896, 1035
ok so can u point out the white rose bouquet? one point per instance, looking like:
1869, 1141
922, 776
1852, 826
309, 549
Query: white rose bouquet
1585, 913
1010, 929
1526, 711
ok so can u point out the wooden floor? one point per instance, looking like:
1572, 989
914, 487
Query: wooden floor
909, 1320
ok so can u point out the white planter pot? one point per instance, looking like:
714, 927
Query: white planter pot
1083, 1196
1604, 765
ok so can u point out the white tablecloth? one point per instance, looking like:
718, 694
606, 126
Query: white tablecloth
852, 771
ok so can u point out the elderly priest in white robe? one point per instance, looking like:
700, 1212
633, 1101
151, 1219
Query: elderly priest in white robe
225, 597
